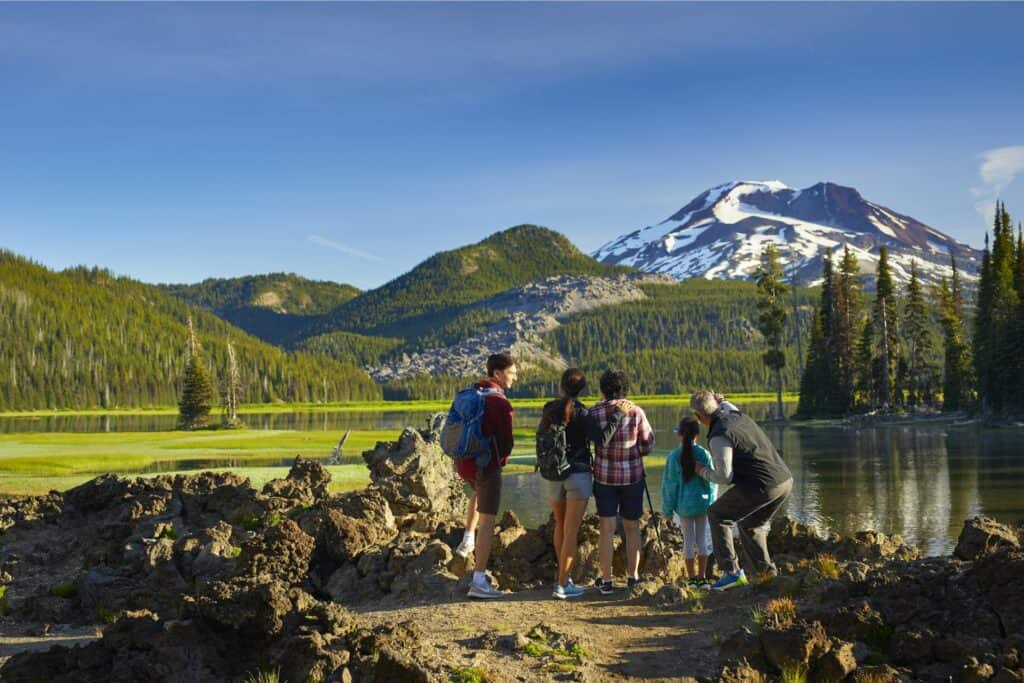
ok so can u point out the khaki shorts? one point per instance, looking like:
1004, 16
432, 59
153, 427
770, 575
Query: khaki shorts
579, 486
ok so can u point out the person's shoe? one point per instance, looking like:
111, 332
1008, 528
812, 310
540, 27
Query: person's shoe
605, 587
567, 591
697, 584
630, 582
484, 592
465, 548
730, 580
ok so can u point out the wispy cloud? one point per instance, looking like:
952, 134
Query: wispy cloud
343, 248
999, 168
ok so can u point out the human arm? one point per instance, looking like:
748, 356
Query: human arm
644, 433
498, 425
721, 457
670, 484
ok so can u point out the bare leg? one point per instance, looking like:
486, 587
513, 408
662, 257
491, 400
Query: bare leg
574, 510
472, 518
484, 536
605, 546
558, 510
691, 567
632, 529
702, 566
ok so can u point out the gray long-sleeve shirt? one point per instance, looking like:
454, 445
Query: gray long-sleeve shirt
721, 456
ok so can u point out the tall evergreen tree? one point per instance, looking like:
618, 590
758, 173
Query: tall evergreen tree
921, 371
771, 307
884, 319
816, 383
197, 391
957, 385
846, 329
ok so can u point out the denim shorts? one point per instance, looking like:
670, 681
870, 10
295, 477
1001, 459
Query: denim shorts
625, 501
579, 486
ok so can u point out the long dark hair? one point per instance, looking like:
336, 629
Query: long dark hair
689, 428
572, 385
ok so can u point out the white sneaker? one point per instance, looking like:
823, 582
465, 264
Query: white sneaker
484, 592
465, 548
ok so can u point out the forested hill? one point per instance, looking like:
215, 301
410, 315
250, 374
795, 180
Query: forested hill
85, 338
450, 279
272, 307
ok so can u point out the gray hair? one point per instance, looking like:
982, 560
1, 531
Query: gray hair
704, 403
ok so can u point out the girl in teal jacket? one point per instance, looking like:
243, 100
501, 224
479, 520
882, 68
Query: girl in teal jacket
685, 494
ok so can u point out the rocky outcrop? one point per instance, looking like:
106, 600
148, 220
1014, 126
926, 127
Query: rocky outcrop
528, 313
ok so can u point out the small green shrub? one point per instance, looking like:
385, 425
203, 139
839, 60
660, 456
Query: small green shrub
827, 566
5, 609
560, 668
534, 649
794, 674
66, 590
234, 551
261, 676
469, 674
274, 519
107, 616
169, 533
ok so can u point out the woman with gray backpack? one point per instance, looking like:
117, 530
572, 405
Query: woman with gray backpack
564, 462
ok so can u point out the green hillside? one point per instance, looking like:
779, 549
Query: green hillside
449, 280
272, 307
697, 333
85, 338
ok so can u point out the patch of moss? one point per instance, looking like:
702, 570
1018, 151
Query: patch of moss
235, 551
469, 674
169, 532
5, 609
66, 590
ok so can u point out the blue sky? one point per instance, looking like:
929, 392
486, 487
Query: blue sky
174, 142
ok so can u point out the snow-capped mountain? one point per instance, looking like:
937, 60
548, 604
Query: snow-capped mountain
723, 232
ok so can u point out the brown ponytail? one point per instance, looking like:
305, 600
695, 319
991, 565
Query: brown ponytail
689, 428
573, 383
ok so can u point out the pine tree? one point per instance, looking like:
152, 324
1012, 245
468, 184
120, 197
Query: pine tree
846, 329
957, 384
884, 318
771, 306
919, 344
197, 391
816, 383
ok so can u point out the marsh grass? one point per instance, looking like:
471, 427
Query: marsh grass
261, 676
775, 614
826, 565
794, 674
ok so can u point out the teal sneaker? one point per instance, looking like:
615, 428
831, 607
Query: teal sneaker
567, 591
730, 580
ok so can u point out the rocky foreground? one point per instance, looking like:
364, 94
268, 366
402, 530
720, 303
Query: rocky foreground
204, 578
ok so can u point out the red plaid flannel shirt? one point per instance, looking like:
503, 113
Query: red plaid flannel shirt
620, 462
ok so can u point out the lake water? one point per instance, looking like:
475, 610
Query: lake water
919, 481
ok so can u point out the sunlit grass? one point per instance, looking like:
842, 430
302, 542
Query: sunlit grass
371, 406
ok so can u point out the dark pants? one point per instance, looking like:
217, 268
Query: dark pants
752, 513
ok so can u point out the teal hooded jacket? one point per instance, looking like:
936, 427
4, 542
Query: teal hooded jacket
691, 498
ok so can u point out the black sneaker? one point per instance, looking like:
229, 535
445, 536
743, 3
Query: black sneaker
605, 587
632, 582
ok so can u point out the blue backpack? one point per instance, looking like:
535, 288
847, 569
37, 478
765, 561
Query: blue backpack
462, 435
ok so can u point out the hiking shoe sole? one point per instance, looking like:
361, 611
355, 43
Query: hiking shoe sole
487, 593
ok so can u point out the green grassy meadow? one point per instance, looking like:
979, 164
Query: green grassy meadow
35, 463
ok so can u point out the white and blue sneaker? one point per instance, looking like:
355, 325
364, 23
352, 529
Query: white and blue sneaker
569, 590
730, 580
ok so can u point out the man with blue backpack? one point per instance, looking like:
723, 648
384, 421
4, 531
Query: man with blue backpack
478, 435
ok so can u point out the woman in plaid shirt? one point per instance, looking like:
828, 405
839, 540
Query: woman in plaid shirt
619, 473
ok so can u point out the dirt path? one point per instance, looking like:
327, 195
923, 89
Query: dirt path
623, 637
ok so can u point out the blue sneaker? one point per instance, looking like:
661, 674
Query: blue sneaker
729, 580
567, 591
